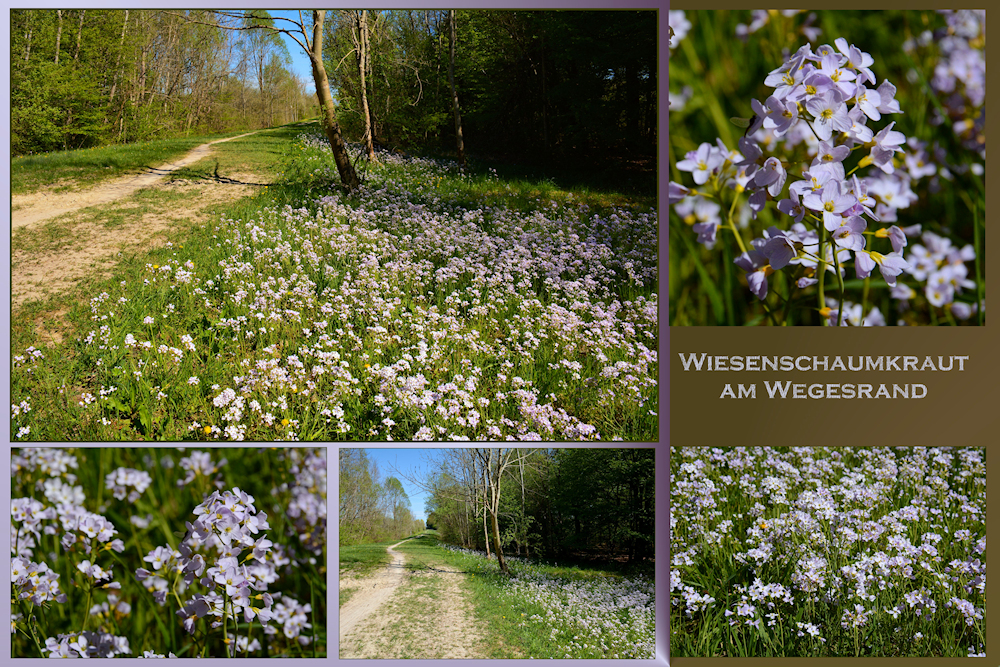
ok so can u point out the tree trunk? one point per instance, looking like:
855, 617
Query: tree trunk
118, 58
58, 33
27, 38
460, 144
330, 126
79, 36
496, 532
545, 101
523, 532
362, 57
486, 531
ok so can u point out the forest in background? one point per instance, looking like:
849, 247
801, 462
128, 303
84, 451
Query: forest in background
373, 507
549, 88
82, 78
567, 504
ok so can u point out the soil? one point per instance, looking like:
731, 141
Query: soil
399, 614
90, 249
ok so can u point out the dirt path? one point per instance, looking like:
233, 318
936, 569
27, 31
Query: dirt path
49, 256
35, 207
399, 614
374, 592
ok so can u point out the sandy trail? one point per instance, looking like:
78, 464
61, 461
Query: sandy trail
32, 208
402, 614
373, 594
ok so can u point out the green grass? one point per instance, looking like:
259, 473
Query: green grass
423, 552
260, 154
362, 559
504, 619
87, 167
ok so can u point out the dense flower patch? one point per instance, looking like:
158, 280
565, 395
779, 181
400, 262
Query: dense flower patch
399, 313
611, 617
118, 581
819, 551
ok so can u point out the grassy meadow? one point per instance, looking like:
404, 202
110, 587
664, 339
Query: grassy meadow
926, 201
74, 169
432, 304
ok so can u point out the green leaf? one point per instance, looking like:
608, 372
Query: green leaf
146, 419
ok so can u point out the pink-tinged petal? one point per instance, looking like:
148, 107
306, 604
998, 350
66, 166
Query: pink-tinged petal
863, 264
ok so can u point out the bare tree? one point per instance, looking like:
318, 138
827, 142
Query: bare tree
299, 32
477, 471
79, 37
58, 33
362, 55
460, 143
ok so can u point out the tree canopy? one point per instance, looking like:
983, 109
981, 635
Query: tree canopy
563, 503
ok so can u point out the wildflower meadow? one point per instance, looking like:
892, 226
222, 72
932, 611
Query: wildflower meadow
827, 167
431, 304
168, 553
562, 613
858, 551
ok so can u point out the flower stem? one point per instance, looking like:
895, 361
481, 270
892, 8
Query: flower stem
86, 608
864, 296
26, 614
225, 625
821, 270
732, 225
840, 282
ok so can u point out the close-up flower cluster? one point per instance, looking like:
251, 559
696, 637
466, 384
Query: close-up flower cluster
181, 569
803, 551
827, 188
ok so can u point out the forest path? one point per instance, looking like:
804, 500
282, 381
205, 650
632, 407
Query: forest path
62, 239
422, 613
35, 207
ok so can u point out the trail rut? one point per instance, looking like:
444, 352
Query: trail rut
375, 592
84, 248
400, 614
29, 209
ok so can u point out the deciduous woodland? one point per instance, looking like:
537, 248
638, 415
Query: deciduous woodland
536, 86
594, 504
83, 77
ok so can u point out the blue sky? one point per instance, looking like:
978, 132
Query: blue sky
403, 463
